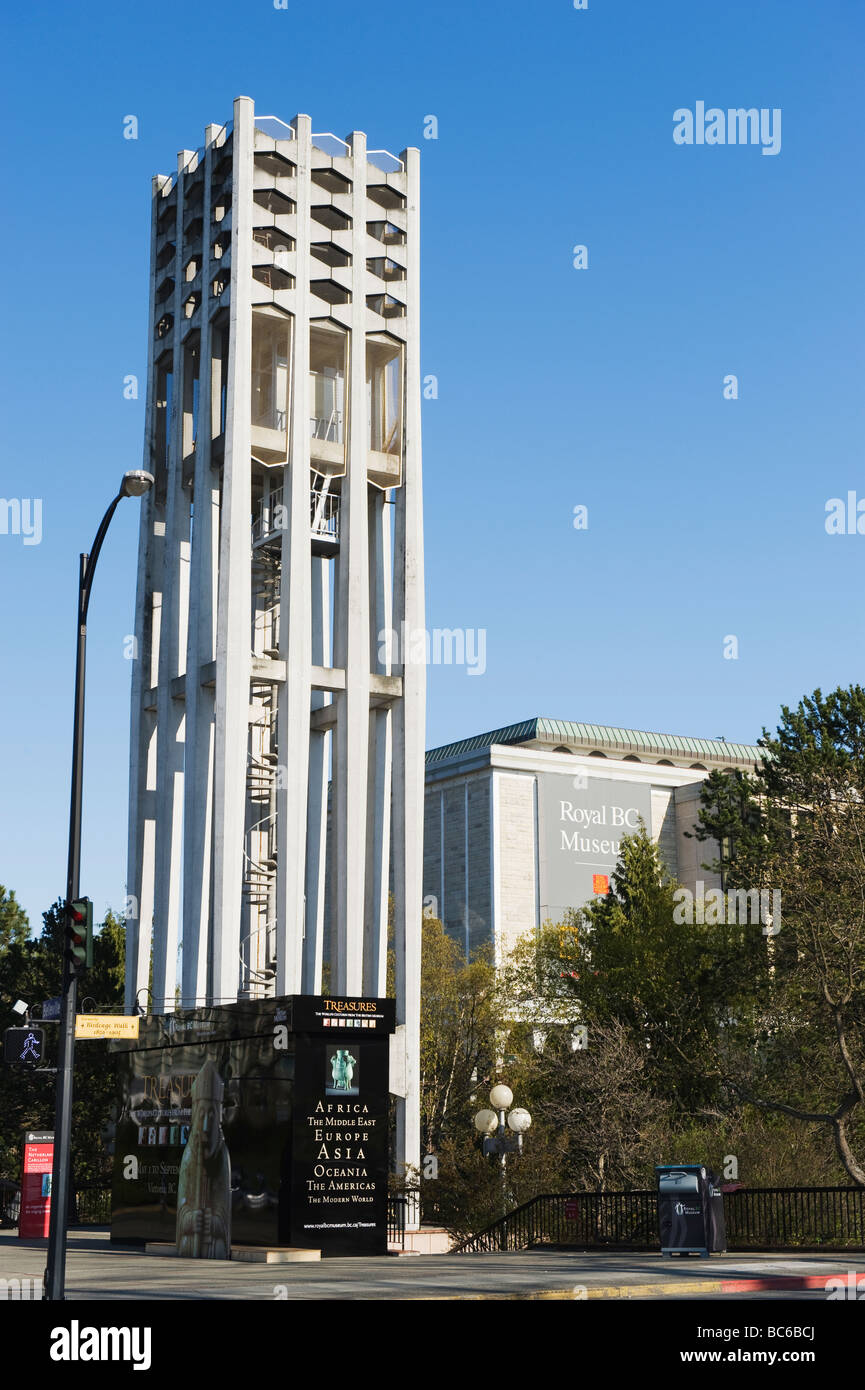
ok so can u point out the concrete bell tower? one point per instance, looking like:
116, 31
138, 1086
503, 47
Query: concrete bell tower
276, 781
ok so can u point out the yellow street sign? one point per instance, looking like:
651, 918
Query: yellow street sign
106, 1026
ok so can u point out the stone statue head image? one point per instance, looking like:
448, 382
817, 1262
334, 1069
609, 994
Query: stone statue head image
204, 1183
207, 1093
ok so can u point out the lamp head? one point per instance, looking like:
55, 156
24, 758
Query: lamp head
501, 1096
486, 1121
135, 483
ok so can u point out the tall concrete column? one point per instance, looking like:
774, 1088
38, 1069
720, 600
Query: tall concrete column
172, 658
233, 643
352, 626
295, 615
380, 753
201, 651
142, 807
410, 712
316, 834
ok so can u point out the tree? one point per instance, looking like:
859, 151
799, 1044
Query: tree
669, 979
609, 1124
457, 1032
33, 970
625, 959
14, 922
798, 826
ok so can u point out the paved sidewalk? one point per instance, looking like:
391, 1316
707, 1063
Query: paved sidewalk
98, 1270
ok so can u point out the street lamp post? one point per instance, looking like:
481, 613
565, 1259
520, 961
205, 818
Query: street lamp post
493, 1125
133, 484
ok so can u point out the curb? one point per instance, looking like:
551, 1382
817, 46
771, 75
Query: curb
657, 1289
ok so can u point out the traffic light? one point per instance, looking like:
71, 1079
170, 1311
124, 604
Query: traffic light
23, 1045
79, 935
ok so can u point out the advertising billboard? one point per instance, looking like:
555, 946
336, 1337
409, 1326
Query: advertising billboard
260, 1123
582, 820
38, 1161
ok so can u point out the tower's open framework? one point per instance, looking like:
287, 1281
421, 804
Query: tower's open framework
276, 792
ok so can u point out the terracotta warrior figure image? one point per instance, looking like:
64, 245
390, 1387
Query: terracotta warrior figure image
204, 1184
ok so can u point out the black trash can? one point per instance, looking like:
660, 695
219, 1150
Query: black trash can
690, 1210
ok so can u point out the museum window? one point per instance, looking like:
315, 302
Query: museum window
271, 358
328, 362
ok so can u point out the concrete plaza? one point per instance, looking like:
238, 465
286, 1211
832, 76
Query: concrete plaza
96, 1269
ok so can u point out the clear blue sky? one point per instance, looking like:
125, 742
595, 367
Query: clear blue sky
557, 387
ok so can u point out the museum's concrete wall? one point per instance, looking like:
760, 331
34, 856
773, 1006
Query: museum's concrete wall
517, 835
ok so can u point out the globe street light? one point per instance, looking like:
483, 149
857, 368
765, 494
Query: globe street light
493, 1125
519, 1120
133, 484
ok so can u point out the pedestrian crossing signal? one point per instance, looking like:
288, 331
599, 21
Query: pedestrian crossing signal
23, 1045
79, 935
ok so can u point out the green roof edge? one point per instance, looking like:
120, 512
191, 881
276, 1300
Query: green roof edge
674, 745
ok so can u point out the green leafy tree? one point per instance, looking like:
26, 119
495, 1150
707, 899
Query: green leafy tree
33, 971
630, 958
797, 827
457, 1033
667, 977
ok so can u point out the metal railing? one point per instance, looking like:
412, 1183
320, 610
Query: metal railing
264, 524
397, 1205
769, 1218
627, 1220
275, 127
327, 427
815, 1218
89, 1205
10, 1203
92, 1207
324, 518
323, 515
384, 160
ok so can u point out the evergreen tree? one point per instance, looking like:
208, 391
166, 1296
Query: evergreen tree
798, 827
14, 922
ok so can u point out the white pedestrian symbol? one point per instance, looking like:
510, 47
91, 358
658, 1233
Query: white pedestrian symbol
31, 1047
